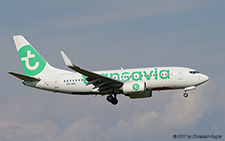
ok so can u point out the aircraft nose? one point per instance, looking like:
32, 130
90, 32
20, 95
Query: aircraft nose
204, 78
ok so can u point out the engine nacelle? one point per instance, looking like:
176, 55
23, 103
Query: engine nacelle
134, 87
141, 95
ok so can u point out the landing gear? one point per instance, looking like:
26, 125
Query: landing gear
109, 98
112, 99
185, 95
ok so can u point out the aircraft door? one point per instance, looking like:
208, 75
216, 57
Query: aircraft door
56, 82
180, 74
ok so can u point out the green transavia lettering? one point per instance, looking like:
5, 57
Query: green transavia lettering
137, 75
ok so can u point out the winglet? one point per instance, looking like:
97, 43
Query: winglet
66, 60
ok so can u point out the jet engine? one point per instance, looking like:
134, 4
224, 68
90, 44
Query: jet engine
136, 90
134, 87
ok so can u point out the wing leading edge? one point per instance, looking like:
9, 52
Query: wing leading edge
103, 83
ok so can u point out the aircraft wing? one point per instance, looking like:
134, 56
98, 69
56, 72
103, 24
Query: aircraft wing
102, 82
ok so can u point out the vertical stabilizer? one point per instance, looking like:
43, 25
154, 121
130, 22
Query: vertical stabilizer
33, 63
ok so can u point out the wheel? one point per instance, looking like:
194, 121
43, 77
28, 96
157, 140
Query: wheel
109, 98
185, 95
114, 101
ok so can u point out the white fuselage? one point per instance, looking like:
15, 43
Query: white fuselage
156, 78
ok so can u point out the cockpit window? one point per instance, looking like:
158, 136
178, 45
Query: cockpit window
193, 72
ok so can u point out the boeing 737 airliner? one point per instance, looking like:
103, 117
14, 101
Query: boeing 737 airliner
134, 83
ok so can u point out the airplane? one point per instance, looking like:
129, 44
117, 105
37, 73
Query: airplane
134, 83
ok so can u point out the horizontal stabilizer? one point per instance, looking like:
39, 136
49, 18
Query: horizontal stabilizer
23, 77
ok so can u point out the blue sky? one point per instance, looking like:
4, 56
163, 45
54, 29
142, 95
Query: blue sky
100, 35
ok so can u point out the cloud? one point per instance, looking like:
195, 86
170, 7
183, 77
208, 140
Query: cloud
179, 114
44, 130
84, 128
105, 12
155, 118
117, 11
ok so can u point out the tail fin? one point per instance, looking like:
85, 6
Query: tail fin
33, 63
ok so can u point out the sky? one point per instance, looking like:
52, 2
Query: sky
101, 35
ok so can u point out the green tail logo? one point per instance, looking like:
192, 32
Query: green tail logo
31, 60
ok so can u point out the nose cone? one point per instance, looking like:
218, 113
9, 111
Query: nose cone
204, 78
